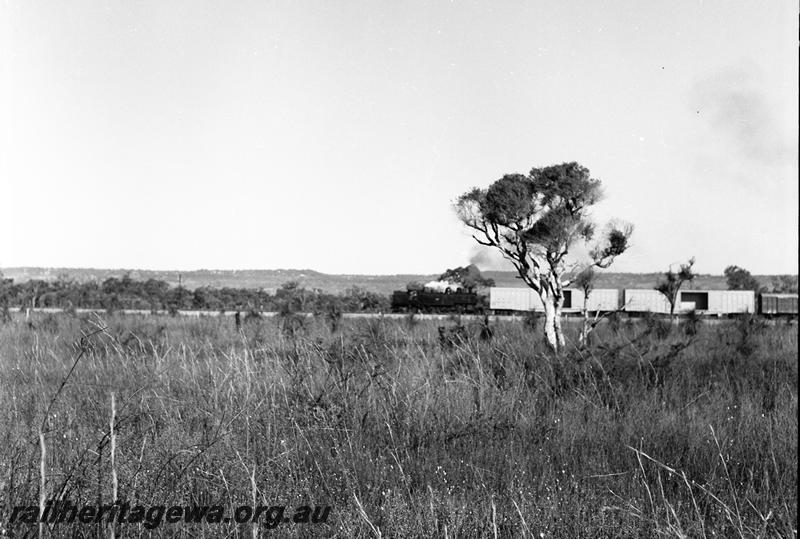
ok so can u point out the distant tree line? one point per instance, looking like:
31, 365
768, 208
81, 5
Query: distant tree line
741, 279
126, 293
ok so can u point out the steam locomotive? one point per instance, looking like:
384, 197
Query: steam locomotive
437, 297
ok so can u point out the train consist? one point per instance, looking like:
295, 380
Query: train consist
453, 299
641, 301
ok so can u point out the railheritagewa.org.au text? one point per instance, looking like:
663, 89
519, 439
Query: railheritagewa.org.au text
268, 516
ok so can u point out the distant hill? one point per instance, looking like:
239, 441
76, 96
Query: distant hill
267, 279
272, 279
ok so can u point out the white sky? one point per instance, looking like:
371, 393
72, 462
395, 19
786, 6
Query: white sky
336, 135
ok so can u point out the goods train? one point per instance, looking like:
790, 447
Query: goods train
631, 301
641, 301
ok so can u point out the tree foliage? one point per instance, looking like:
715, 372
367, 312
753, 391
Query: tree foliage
534, 220
414, 285
671, 282
585, 280
784, 284
152, 294
741, 279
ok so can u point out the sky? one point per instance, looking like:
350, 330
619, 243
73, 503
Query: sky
336, 136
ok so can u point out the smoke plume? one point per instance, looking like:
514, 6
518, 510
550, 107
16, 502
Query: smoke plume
487, 259
738, 109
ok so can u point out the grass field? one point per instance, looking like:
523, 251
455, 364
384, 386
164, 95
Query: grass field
678, 431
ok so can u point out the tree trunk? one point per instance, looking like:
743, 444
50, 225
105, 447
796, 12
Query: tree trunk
585, 331
550, 324
559, 331
553, 333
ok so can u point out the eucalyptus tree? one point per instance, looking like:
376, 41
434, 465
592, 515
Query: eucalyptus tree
535, 221
741, 279
670, 284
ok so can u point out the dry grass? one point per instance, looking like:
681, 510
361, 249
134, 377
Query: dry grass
648, 432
